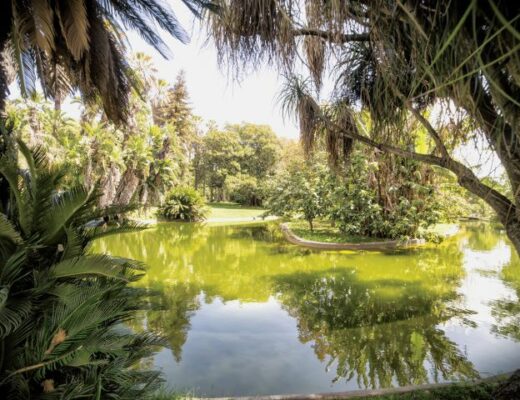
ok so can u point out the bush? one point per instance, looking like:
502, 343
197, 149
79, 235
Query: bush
405, 209
184, 204
62, 308
245, 190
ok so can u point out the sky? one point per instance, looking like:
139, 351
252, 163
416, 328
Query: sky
215, 95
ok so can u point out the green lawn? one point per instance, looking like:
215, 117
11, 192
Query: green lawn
233, 211
324, 232
481, 391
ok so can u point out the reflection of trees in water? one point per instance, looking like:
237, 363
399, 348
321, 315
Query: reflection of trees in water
161, 246
176, 305
483, 236
379, 330
507, 311
268, 232
374, 315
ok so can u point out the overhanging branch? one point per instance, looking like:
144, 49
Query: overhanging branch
332, 37
466, 177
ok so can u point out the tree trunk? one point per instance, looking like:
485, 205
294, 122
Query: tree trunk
127, 187
143, 194
109, 185
311, 224
5, 135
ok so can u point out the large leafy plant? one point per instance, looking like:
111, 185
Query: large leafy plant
62, 308
184, 204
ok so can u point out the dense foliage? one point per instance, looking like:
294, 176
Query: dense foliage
300, 191
138, 162
184, 204
236, 163
391, 198
63, 308
387, 197
449, 66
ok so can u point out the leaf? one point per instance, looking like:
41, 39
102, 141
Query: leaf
43, 25
8, 231
126, 227
12, 312
61, 212
74, 25
94, 265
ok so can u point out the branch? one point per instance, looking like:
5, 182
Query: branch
431, 130
465, 176
426, 158
332, 37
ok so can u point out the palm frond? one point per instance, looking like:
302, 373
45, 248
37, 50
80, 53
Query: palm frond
43, 16
63, 208
72, 16
13, 312
95, 265
8, 231
125, 227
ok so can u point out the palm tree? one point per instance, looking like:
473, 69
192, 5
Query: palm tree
62, 308
79, 44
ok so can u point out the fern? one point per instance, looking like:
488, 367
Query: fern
61, 308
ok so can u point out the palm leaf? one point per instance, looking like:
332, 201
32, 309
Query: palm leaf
64, 207
12, 312
72, 15
43, 16
126, 227
8, 231
95, 265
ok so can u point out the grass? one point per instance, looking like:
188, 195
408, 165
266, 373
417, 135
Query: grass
233, 211
326, 233
481, 391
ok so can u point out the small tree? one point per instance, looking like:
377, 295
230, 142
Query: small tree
299, 191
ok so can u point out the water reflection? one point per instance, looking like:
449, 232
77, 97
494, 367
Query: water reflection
177, 304
379, 332
506, 310
363, 320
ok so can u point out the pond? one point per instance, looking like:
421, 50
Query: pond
247, 314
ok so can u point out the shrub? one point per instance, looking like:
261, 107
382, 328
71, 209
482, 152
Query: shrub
245, 190
62, 308
184, 204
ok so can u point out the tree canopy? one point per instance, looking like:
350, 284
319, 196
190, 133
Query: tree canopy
81, 45
396, 60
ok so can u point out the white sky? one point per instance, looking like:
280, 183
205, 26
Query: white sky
214, 95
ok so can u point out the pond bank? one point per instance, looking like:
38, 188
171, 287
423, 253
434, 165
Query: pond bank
375, 246
219, 213
481, 389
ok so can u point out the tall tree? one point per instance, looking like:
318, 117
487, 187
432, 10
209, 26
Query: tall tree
175, 108
261, 148
395, 59
218, 157
80, 45
174, 112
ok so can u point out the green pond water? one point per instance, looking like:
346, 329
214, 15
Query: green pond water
247, 314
